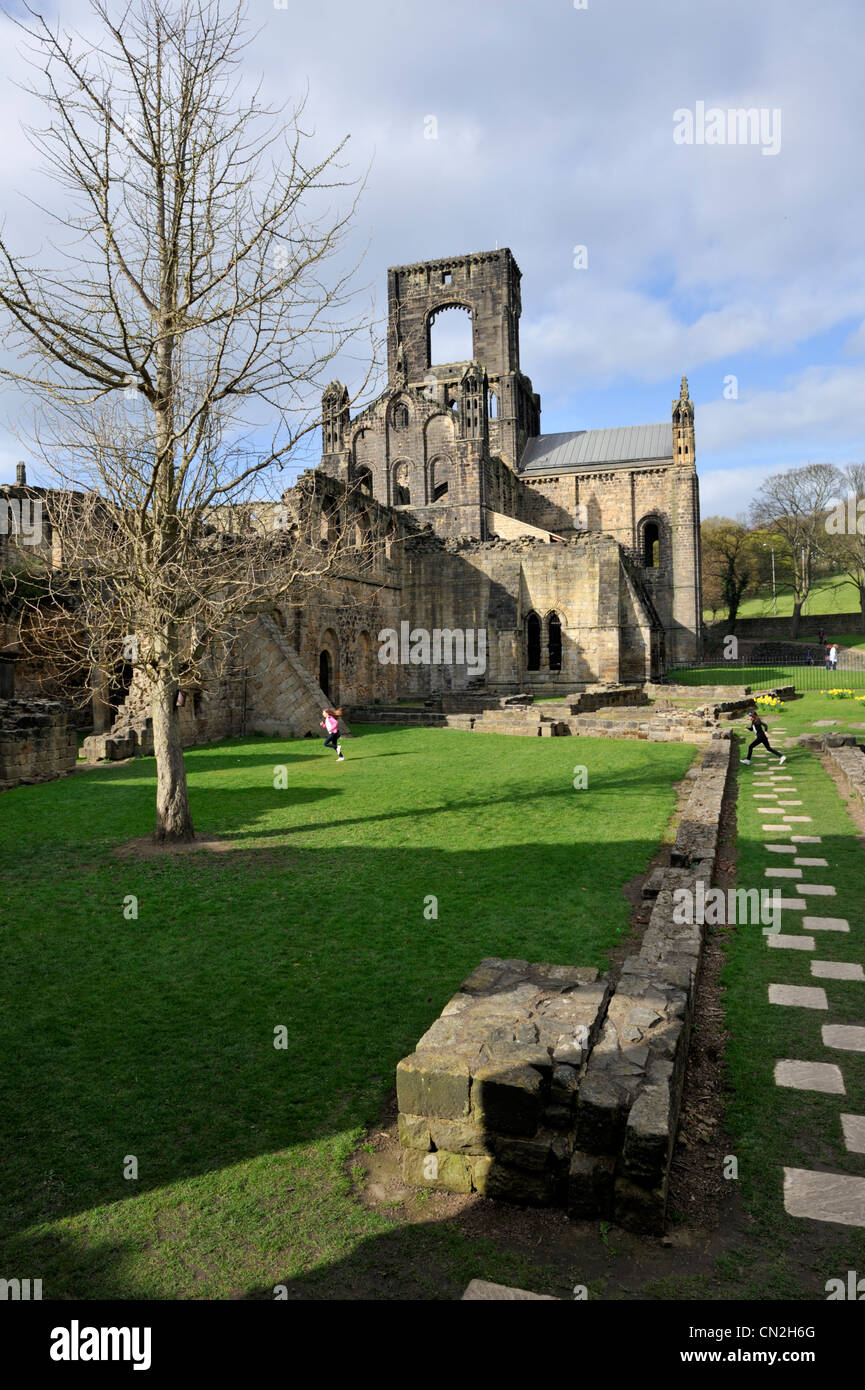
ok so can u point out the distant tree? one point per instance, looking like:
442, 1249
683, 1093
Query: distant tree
730, 567
794, 506
845, 530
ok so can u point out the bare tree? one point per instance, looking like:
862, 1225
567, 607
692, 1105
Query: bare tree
195, 304
793, 505
845, 529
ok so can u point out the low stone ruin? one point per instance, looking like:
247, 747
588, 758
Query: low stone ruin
487, 1098
37, 742
541, 1084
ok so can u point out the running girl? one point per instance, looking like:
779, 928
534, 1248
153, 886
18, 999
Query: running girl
758, 728
330, 723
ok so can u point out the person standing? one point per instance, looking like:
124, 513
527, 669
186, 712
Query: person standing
833, 657
821, 636
330, 723
758, 728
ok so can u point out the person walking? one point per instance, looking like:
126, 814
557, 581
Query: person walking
821, 636
826, 657
758, 728
809, 658
833, 657
330, 723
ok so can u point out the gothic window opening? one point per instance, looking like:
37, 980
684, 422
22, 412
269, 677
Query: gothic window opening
554, 641
492, 406
400, 417
651, 545
450, 335
533, 642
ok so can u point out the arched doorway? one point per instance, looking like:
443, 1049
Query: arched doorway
325, 673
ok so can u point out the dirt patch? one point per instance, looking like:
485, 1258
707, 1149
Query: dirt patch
145, 847
698, 1189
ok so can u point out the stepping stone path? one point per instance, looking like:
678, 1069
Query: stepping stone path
811, 1195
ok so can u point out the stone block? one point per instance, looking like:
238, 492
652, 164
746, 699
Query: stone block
434, 1084
507, 1099
414, 1132
441, 1171
590, 1186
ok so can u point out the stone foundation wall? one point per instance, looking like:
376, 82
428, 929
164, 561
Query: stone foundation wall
37, 742
539, 1085
850, 762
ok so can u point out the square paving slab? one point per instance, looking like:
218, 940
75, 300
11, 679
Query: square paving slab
844, 1036
798, 996
825, 924
836, 970
854, 1133
825, 1196
810, 1076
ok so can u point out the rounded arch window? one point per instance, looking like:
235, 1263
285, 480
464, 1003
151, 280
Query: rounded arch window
401, 486
400, 417
651, 547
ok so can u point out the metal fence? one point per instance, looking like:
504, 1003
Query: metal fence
762, 674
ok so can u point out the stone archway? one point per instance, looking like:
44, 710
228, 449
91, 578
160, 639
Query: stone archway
328, 666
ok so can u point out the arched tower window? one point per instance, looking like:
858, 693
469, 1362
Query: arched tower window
554, 641
492, 406
401, 488
651, 545
533, 642
400, 417
450, 335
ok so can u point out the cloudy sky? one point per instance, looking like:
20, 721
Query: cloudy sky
555, 130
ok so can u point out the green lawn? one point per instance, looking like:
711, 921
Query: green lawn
153, 1037
829, 595
805, 678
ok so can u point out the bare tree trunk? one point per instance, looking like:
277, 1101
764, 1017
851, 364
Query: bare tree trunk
797, 618
173, 816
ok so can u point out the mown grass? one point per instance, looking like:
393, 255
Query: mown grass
762, 677
151, 1037
831, 594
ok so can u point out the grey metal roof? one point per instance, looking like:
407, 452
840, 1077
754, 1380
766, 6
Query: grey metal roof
555, 453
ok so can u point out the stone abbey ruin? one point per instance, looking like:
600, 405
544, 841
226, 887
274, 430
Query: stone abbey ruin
576, 554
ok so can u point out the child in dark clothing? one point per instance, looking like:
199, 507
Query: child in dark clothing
758, 728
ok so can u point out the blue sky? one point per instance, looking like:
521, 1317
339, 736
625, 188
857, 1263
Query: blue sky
555, 130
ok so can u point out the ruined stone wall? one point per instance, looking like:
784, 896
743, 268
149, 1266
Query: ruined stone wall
37, 742
496, 585
621, 501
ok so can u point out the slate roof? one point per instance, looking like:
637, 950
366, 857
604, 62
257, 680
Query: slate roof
557, 453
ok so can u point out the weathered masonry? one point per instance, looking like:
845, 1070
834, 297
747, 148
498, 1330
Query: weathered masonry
576, 554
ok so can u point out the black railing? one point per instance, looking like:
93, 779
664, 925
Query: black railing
768, 673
